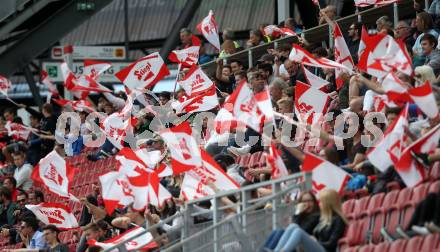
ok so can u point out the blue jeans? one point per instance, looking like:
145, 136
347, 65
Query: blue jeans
295, 236
273, 239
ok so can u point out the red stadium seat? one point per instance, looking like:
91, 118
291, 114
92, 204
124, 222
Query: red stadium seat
404, 196
378, 221
434, 187
376, 201
398, 246
347, 206
359, 207
406, 214
366, 248
430, 243
434, 173
255, 159
350, 249
414, 244
353, 235
419, 192
390, 199
382, 247
392, 220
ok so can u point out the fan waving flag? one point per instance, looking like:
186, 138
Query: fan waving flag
80, 105
411, 172
50, 85
17, 131
274, 159
310, 103
71, 81
144, 73
59, 215
325, 175
208, 28
187, 57
264, 104
342, 55
195, 81
140, 243
201, 101
55, 174
314, 80
300, 55
199, 182
396, 92
387, 152
119, 124
424, 98
184, 151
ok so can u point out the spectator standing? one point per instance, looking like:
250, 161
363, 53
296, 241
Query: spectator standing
23, 171
50, 233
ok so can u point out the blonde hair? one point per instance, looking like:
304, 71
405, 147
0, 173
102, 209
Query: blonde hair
423, 74
329, 204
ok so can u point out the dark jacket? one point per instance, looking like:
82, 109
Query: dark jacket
307, 222
329, 235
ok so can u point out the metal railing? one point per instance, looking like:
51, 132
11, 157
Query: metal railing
402, 10
244, 230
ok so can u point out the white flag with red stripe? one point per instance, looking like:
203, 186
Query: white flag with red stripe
199, 182
372, 48
78, 105
396, 92
310, 103
55, 174
424, 98
144, 73
94, 68
183, 147
195, 81
300, 55
395, 58
224, 121
342, 55
243, 106
314, 80
141, 243
201, 101
87, 83
412, 172
187, 57
119, 124
208, 28
5, 84
50, 85
364, 3
71, 81
56, 214
325, 175
388, 151
265, 104
275, 31
276, 162
17, 131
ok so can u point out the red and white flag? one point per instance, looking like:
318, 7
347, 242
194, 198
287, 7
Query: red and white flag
119, 124
224, 121
388, 151
424, 99
276, 162
195, 81
144, 73
79, 105
137, 171
71, 81
325, 175
94, 68
184, 150
5, 84
56, 214
342, 55
197, 102
314, 80
275, 31
243, 106
310, 103
208, 28
364, 3
264, 104
300, 55
116, 191
187, 57
140, 243
363, 42
17, 131
87, 83
55, 174
50, 85
199, 182
396, 92
412, 172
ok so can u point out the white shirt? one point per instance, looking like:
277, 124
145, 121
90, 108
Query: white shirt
23, 176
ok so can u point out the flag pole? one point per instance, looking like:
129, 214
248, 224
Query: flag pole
177, 78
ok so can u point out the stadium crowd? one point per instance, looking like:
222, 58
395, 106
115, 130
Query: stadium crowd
315, 226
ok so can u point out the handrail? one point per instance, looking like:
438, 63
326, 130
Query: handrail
307, 179
320, 33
